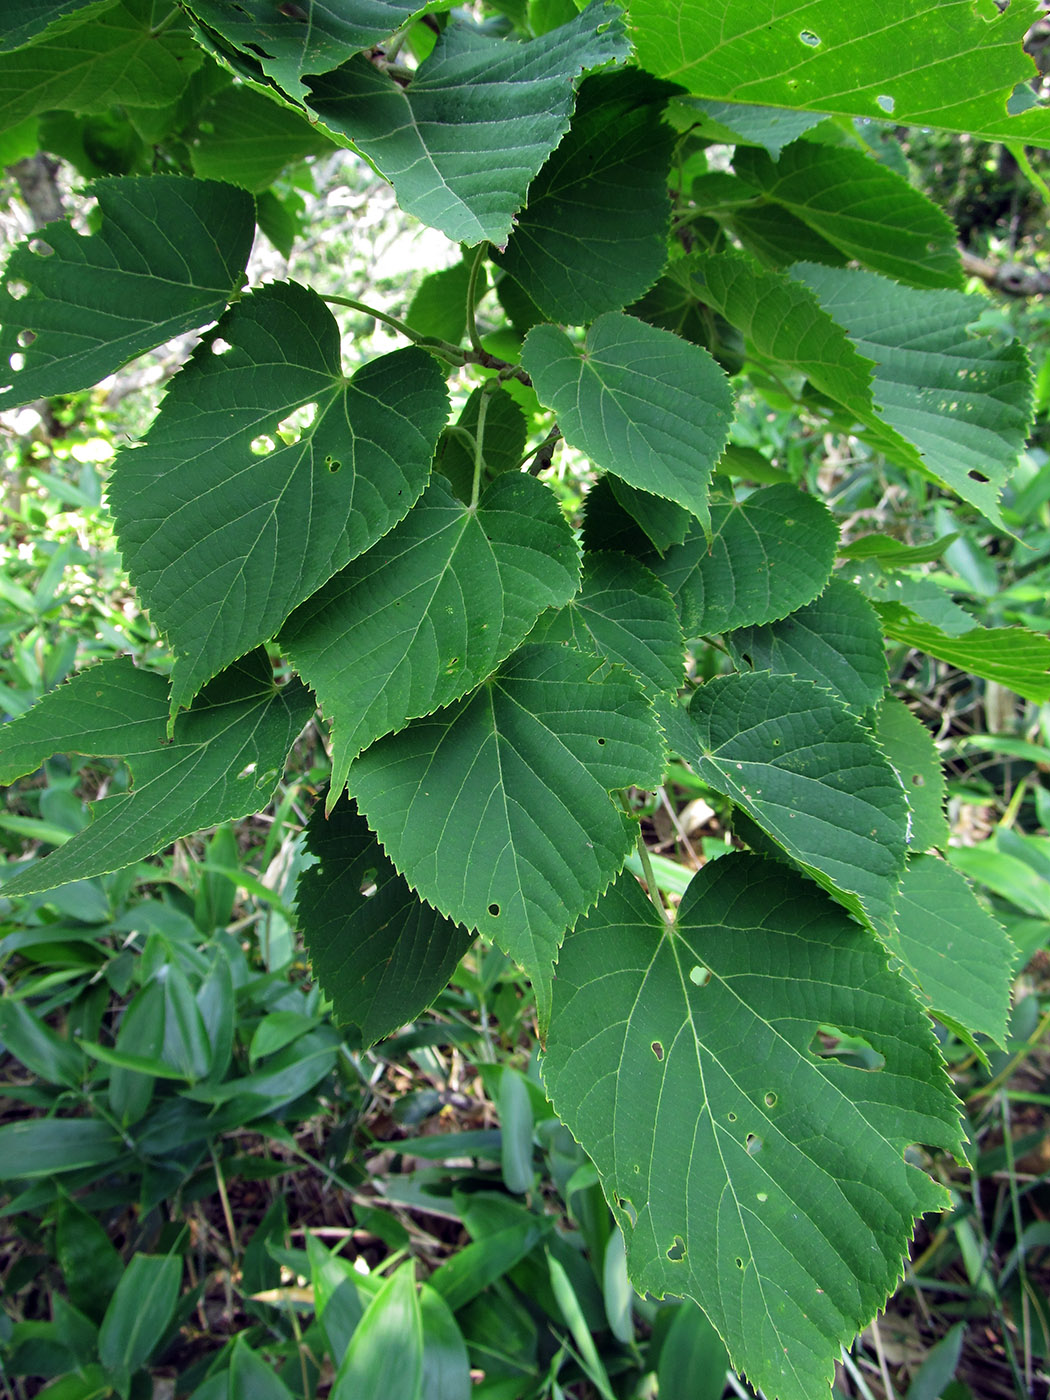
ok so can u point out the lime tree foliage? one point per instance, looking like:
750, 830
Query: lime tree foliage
497, 679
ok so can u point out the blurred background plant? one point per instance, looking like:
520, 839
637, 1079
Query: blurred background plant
211, 1192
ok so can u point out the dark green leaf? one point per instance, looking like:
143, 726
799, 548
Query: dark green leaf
42, 1147
768, 555
885, 224
662, 521
624, 614
476, 1265
91, 304
439, 307
224, 526
943, 64
248, 139
385, 1356
139, 1312
737, 123
227, 756
380, 954
140, 1037
808, 772
33, 20
502, 442
772, 1186
497, 809
44, 1054
693, 1358
909, 746
640, 402
835, 641
91, 1267
291, 41
251, 1377
594, 234
115, 57
516, 1125
462, 142
431, 611
960, 959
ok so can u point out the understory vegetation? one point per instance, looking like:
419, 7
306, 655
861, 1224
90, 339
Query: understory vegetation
524, 610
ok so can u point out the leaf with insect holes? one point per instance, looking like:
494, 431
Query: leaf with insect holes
379, 952
835, 642
431, 610
463, 140
497, 809
75, 309
224, 762
949, 64
767, 556
640, 402
33, 20
297, 38
747, 1171
794, 758
224, 526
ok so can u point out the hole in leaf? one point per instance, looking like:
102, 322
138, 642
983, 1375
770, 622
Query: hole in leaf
809, 38
17, 290
220, 346
494, 910
699, 976
333, 466
739, 1262
368, 885
601, 741
677, 1251
292, 11
291, 429
628, 1209
40, 248
262, 446
829, 1043
753, 1144
886, 102
26, 338
762, 1196
657, 1049
771, 1099
18, 361
977, 476
731, 1117
917, 780
247, 772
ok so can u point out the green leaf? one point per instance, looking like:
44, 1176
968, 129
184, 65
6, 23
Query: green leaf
222, 541
291, 42
43, 1147
594, 234
640, 402
956, 406
139, 1312
835, 642
944, 64
624, 614
502, 444
46, 1055
662, 521
463, 141
1012, 656
497, 809
116, 57
886, 224
248, 139
251, 1377
735, 123
806, 770
439, 307
781, 321
909, 746
770, 1187
33, 20
90, 1264
960, 959
431, 611
446, 1364
227, 756
693, 1358
139, 1039
385, 1356
75, 309
379, 953
768, 555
